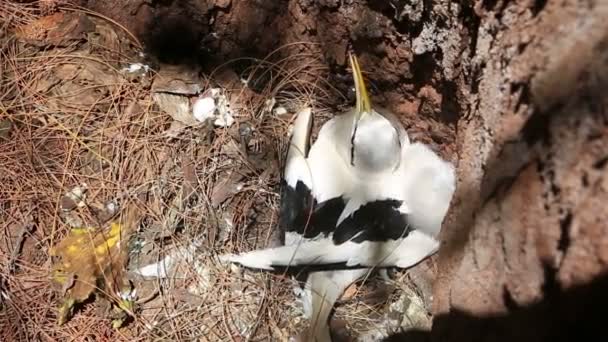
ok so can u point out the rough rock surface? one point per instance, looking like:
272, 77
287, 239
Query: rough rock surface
508, 90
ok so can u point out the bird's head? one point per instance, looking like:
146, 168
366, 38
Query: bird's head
376, 136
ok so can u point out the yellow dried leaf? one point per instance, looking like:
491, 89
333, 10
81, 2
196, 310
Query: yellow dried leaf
87, 258
92, 261
65, 311
121, 311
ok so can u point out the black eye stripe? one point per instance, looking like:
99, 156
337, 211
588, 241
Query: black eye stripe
352, 146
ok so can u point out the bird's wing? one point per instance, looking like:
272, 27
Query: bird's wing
377, 234
329, 158
296, 168
379, 220
429, 185
336, 219
314, 181
296, 196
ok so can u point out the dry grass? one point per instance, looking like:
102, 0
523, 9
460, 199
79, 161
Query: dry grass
102, 128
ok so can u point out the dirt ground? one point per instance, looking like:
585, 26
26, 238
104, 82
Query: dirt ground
509, 91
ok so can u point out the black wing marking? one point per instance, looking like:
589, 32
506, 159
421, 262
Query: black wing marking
296, 214
374, 221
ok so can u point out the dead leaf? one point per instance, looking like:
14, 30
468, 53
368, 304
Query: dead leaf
75, 26
134, 108
44, 83
177, 80
59, 29
74, 198
98, 73
88, 72
5, 129
72, 95
190, 181
177, 106
350, 292
66, 71
171, 90
87, 257
185, 296
78, 83
38, 29
106, 37
225, 188
175, 129
232, 150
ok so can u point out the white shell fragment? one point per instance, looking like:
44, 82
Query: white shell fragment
279, 111
179, 92
181, 263
112, 207
269, 105
215, 92
214, 106
135, 67
157, 270
167, 266
203, 109
172, 89
224, 112
75, 197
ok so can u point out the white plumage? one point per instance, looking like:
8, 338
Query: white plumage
363, 197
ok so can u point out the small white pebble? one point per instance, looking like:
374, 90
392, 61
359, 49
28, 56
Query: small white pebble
224, 121
215, 92
112, 207
235, 269
136, 67
280, 111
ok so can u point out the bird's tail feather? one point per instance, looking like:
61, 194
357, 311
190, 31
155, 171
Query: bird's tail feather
324, 289
319, 252
296, 167
300, 138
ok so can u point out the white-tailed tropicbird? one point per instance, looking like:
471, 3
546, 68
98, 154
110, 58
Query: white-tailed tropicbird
363, 196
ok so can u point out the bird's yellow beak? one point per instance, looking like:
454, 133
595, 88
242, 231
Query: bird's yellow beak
363, 103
